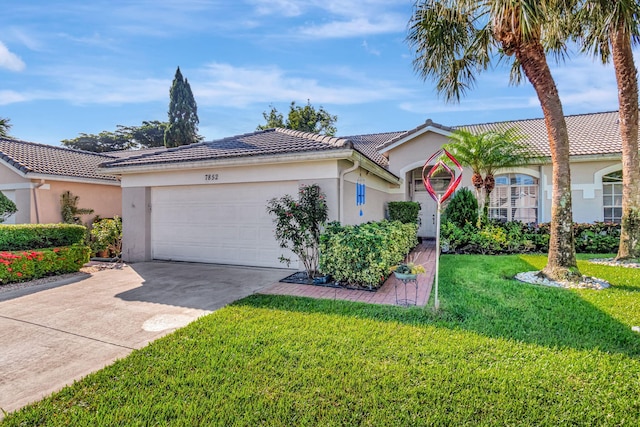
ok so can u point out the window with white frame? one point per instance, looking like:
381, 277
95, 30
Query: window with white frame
612, 196
514, 198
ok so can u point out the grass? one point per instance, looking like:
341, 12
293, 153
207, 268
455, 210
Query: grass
498, 353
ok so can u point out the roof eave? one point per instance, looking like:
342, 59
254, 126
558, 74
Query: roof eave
336, 154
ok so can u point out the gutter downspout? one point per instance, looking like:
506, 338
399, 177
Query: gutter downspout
356, 165
35, 199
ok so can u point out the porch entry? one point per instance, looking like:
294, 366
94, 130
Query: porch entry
427, 218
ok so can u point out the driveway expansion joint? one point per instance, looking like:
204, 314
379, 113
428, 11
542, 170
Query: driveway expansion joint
66, 332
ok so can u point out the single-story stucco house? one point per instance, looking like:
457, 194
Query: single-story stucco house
34, 176
206, 202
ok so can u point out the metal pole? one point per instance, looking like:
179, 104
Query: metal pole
437, 301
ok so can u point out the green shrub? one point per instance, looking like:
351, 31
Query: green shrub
405, 212
517, 237
363, 254
7, 207
599, 237
37, 236
107, 235
19, 266
462, 209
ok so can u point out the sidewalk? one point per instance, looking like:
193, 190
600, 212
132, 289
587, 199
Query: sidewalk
424, 253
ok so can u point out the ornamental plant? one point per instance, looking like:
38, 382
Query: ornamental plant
7, 207
299, 224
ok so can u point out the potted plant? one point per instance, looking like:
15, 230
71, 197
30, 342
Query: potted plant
407, 271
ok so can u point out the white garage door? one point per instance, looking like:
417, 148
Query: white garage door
224, 223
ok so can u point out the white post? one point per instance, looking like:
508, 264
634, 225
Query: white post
436, 300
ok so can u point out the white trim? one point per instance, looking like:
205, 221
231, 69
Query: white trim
415, 134
519, 170
589, 190
16, 186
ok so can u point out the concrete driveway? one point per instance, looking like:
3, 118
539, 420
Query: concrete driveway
56, 333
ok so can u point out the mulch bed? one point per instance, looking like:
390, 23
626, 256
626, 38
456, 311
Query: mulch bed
301, 278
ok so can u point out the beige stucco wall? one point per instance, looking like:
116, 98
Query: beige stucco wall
136, 224
105, 200
10, 180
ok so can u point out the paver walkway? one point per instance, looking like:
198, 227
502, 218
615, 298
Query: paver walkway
424, 253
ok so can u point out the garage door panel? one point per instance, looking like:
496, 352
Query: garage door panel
225, 223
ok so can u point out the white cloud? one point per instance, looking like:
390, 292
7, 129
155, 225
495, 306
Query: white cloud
356, 27
369, 49
224, 84
11, 97
10, 60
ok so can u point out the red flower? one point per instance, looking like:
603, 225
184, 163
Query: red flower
19, 274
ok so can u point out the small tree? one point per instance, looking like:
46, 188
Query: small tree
299, 223
462, 209
7, 207
183, 114
69, 208
4, 128
306, 119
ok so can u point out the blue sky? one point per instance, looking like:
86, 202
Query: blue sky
70, 67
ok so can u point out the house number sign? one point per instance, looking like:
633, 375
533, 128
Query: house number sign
211, 177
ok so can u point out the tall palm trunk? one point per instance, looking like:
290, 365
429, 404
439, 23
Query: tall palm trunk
626, 77
561, 262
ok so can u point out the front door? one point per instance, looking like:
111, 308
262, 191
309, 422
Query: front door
428, 207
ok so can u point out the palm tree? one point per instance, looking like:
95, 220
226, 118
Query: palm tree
4, 128
456, 39
608, 28
485, 153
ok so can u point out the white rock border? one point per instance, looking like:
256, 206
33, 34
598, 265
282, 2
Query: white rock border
534, 278
613, 263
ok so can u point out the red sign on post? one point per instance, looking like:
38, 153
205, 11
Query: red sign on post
426, 178
453, 184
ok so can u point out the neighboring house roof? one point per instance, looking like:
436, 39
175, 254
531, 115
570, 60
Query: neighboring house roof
41, 159
260, 143
589, 134
368, 145
130, 153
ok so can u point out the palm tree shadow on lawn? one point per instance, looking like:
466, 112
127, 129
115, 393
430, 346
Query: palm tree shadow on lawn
501, 307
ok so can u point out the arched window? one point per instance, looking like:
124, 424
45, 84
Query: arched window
612, 196
515, 198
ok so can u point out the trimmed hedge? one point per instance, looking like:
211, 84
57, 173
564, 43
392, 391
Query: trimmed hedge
20, 266
38, 236
405, 212
363, 254
516, 237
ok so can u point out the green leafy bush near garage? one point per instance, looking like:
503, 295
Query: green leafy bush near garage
38, 236
363, 254
20, 266
405, 212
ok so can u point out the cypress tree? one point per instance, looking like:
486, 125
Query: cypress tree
183, 114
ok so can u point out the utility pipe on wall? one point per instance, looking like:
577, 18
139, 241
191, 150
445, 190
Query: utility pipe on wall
341, 200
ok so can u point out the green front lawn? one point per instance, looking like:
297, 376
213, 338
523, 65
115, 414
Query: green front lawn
499, 352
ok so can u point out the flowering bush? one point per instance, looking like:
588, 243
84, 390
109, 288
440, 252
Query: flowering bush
27, 265
299, 223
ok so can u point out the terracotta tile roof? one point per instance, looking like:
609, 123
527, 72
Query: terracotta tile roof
368, 145
130, 153
401, 135
589, 134
29, 157
266, 142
